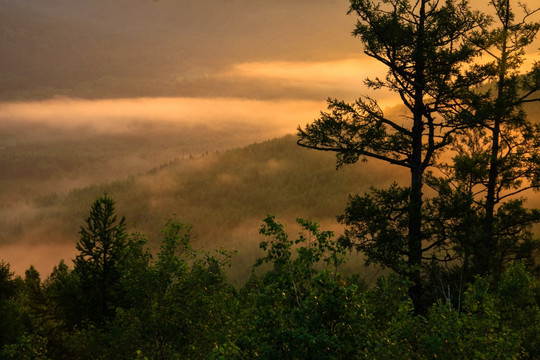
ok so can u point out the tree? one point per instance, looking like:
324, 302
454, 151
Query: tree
297, 308
178, 305
497, 320
11, 314
424, 46
100, 246
497, 155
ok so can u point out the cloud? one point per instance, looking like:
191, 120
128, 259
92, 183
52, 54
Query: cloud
342, 76
57, 120
121, 115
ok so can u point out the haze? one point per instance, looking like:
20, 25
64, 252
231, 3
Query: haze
214, 48
141, 82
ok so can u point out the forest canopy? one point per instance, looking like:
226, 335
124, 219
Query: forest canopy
121, 301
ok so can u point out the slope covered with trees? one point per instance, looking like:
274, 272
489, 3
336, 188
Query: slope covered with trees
296, 305
222, 195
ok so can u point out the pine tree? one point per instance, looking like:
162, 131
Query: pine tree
498, 156
100, 247
424, 45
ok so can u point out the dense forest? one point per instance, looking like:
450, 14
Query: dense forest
447, 219
222, 195
120, 301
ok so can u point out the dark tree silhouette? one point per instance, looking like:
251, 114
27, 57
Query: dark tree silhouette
100, 246
497, 156
424, 46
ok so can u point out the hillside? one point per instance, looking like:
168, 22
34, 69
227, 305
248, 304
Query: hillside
50, 182
224, 196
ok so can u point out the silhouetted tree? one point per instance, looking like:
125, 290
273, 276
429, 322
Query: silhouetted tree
11, 322
424, 46
100, 246
497, 156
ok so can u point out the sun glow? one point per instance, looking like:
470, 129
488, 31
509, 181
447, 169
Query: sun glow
345, 76
115, 115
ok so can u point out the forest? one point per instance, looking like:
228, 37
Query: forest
446, 221
119, 301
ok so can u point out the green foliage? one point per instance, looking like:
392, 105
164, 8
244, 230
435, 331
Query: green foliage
296, 305
387, 326
101, 247
377, 224
27, 347
176, 306
7, 284
12, 317
295, 309
62, 288
122, 302
497, 321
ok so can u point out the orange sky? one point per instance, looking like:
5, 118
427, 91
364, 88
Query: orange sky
257, 49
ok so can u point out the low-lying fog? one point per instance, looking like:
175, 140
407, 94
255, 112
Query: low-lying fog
49, 148
132, 115
53, 146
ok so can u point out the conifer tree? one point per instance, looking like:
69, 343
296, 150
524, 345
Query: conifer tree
498, 156
424, 45
100, 247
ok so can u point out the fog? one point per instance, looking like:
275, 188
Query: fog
118, 116
55, 146
100, 91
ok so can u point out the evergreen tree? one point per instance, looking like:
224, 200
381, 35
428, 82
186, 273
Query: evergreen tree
11, 322
497, 156
424, 45
100, 247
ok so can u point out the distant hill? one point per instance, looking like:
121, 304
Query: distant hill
224, 196
221, 192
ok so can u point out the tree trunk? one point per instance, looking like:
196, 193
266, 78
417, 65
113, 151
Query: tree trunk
486, 252
415, 206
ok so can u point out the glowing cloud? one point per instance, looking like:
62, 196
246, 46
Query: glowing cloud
345, 76
116, 115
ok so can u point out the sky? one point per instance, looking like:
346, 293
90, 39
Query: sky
132, 48
256, 49
267, 61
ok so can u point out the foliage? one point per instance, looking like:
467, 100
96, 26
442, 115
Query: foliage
11, 315
377, 224
27, 347
296, 308
178, 303
123, 301
297, 305
425, 46
496, 321
100, 251
496, 154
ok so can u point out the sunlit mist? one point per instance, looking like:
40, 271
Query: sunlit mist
114, 115
345, 76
